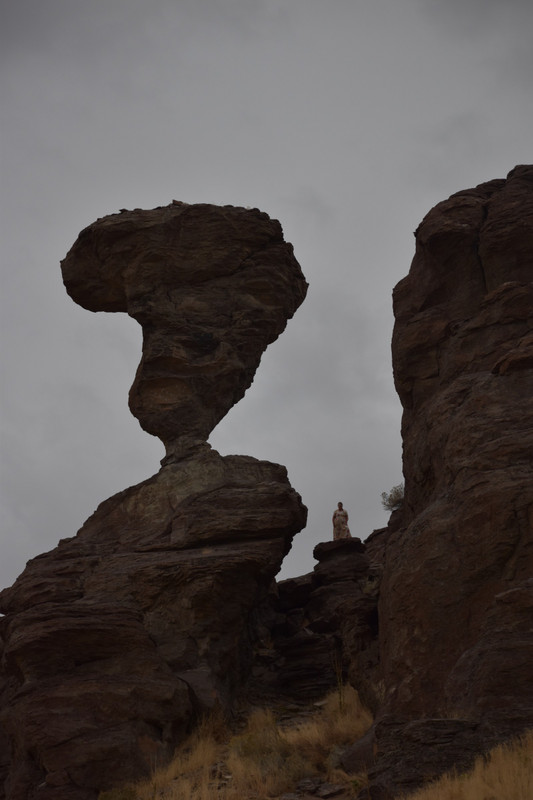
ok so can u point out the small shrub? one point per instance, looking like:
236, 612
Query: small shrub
393, 500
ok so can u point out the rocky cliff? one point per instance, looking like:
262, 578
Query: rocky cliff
456, 597
164, 603
117, 640
431, 617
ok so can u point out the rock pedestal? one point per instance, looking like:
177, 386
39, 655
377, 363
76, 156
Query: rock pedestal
119, 639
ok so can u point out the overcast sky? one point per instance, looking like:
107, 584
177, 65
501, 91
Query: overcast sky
347, 120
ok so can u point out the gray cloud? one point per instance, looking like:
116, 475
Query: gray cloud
473, 17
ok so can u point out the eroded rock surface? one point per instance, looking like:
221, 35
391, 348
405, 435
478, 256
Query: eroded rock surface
164, 602
456, 644
119, 638
211, 286
319, 629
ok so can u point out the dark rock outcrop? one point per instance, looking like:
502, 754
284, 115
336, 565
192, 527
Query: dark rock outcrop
433, 619
319, 629
211, 286
119, 638
455, 637
164, 603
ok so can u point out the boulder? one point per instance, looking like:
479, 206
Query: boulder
211, 287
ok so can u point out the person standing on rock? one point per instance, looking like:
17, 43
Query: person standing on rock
340, 523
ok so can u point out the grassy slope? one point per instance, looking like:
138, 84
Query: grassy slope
268, 758
506, 773
265, 759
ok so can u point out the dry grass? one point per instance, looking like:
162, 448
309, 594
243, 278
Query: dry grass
267, 759
191, 772
342, 720
263, 761
506, 773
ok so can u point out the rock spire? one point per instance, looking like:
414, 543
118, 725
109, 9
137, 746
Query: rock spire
119, 639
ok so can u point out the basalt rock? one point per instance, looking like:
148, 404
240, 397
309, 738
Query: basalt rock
319, 629
430, 617
211, 287
117, 640
456, 644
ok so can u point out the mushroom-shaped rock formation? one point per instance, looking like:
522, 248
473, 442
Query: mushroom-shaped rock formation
211, 286
114, 642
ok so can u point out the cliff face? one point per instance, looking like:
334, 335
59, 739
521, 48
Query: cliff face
463, 366
119, 638
319, 628
456, 595
430, 618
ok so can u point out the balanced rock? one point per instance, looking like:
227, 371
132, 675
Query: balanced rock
211, 286
116, 641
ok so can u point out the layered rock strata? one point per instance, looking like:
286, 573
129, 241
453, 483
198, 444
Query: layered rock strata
164, 603
211, 287
117, 640
319, 629
456, 643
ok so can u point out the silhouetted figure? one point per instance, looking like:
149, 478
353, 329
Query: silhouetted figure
340, 523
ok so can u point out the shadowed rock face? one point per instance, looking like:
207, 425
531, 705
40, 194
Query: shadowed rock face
114, 642
456, 595
318, 629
